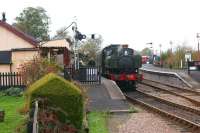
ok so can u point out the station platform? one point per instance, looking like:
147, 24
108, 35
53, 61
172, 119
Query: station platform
193, 78
106, 96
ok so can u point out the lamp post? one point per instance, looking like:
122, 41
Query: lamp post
160, 45
198, 37
171, 45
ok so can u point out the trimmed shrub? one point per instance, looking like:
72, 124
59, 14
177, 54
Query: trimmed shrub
61, 94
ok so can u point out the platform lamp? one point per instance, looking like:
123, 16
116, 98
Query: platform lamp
160, 45
171, 43
198, 37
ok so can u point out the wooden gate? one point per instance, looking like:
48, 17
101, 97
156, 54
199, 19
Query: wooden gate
84, 74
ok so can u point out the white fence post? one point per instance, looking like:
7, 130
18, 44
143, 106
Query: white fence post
35, 122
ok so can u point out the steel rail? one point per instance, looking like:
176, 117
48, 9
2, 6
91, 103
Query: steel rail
186, 89
187, 108
192, 93
184, 121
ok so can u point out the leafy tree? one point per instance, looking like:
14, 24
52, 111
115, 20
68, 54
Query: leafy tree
164, 56
62, 33
179, 55
173, 60
146, 52
196, 55
90, 49
35, 22
167, 58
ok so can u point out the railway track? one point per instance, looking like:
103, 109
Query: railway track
167, 96
185, 115
189, 94
191, 90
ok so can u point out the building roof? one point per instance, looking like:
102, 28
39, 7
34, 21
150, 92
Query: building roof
19, 33
5, 57
61, 43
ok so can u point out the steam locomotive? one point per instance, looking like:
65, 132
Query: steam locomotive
119, 63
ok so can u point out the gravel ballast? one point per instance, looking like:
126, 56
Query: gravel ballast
143, 122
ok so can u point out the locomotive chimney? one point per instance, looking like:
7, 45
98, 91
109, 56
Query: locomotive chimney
4, 17
125, 45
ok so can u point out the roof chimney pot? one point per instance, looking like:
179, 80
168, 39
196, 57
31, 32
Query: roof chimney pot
4, 17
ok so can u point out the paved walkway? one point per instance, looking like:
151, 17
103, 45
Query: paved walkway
105, 97
193, 78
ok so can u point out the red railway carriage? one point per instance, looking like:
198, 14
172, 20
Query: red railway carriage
145, 59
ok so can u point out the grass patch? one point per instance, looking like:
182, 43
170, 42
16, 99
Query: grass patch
133, 110
98, 122
12, 118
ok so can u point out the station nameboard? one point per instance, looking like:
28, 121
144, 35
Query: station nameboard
193, 66
193, 63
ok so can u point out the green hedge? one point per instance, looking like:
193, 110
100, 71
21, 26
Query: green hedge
13, 91
61, 93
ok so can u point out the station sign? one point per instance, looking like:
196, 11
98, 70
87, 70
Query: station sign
193, 65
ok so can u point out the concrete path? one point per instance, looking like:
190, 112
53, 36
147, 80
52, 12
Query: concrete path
106, 97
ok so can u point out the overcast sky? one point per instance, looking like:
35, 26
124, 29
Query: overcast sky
133, 22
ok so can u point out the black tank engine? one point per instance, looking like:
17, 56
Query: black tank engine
119, 63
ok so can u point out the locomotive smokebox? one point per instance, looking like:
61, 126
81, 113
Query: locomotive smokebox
126, 62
